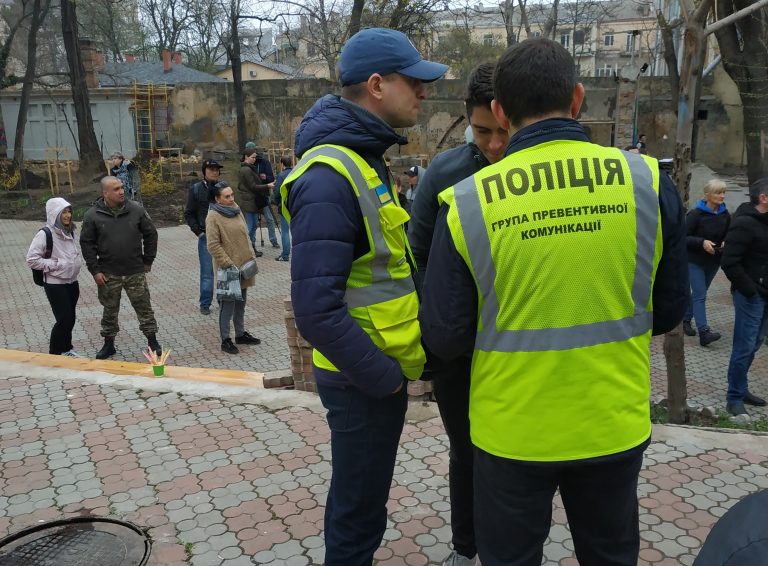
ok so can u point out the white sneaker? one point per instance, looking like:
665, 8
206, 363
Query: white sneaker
456, 559
72, 354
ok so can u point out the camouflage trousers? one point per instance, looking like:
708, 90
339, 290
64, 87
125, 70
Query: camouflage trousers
138, 293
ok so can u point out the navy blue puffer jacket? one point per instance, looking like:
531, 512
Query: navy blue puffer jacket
328, 235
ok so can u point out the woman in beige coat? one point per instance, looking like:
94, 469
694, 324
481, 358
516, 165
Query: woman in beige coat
228, 245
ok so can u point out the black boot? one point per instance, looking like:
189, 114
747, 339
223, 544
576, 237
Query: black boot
688, 329
706, 337
154, 344
107, 350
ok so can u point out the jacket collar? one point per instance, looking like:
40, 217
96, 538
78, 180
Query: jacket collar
545, 131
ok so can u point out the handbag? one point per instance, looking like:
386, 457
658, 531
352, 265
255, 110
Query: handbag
228, 284
249, 269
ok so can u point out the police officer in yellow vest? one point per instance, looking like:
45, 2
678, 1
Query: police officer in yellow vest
351, 285
563, 258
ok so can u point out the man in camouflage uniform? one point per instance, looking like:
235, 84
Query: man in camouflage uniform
119, 244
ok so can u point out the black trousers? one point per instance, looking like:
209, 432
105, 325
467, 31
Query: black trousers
451, 389
514, 508
63, 299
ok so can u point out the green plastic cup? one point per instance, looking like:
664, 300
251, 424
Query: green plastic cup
159, 371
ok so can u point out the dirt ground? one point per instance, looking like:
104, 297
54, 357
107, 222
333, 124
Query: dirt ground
166, 206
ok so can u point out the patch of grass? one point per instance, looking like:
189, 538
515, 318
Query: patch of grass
721, 419
188, 548
78, 213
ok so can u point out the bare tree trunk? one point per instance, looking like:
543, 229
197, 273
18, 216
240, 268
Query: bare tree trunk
524, 19
745, 59
508, 12
670, 56
355, 17
91, 160
674, 351
237, 78
38, 15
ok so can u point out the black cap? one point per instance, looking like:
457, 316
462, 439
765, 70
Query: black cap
412, 171
211, 164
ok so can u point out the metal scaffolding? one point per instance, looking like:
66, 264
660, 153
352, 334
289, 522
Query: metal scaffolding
150, 116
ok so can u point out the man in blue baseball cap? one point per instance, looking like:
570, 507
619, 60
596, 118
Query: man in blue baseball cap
352, 290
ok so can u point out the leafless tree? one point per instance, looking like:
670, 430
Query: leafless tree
39, 11
14, 18
167, 20
201, 39
90, 155
744, 49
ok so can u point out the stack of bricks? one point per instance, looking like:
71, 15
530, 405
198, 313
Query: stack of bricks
301, 353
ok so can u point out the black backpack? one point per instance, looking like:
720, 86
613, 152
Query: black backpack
37, 274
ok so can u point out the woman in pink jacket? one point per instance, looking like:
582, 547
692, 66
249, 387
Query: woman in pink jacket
60, 272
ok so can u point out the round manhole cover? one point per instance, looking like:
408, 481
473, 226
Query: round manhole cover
79, 541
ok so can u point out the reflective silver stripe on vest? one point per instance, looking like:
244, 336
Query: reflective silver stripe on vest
479, 248
383, 287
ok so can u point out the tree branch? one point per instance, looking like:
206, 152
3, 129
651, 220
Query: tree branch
719, 24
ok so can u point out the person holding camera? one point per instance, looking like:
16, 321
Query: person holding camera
229, 246
706, 225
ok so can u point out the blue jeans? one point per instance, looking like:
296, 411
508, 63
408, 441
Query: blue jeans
701, 278
253, 221
206, 272
365, 432
748, 334
285, 235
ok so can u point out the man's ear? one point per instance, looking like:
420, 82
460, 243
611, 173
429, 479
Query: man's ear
501, 117
373, 85
577, 99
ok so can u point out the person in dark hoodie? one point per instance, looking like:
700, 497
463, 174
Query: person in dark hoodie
451, 381
351, 285
195, 213
745, 264
552, 268
119, 245
262, 168
706, 226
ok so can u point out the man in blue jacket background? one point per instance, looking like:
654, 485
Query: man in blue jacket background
382, 76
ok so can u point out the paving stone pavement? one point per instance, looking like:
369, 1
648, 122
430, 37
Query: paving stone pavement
234, 481
26, 318
222, 480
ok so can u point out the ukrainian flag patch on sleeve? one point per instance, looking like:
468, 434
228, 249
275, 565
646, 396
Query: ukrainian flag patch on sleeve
383, 193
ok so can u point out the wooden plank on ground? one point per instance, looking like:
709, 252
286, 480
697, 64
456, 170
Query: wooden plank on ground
208, 375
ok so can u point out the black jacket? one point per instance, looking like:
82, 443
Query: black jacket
445, 170
196, 210
745, 254
449, 311
118, 242
701, 223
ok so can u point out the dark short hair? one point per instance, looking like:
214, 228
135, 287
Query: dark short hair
479, 88
534, 78
759, 187
286, 160
216, 190
249, 152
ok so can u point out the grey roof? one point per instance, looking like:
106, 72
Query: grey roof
125, 74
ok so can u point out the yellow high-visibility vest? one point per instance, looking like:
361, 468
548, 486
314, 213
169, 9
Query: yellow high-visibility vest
380, 293
563, 240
